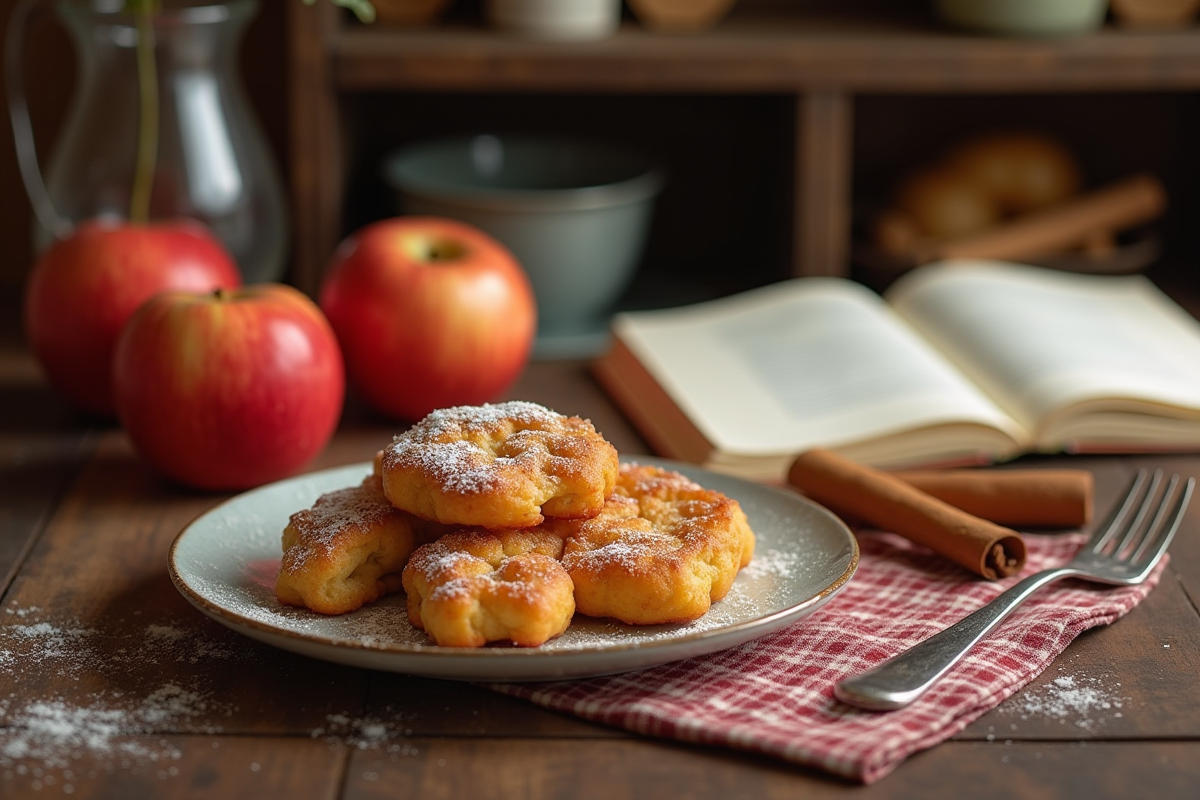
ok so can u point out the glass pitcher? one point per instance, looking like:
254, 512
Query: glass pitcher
212, 161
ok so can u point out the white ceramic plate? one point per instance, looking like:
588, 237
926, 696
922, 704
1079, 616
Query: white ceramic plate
224, 563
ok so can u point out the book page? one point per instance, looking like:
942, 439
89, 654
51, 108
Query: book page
804, 363
1046, 344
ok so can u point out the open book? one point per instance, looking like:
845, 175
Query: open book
959, 362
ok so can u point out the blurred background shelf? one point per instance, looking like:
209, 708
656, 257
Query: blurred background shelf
777, 126
763, 53
803, 78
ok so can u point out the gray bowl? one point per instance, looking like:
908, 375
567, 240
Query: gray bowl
574, 213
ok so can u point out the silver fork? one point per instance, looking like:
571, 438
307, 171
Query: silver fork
1122, 552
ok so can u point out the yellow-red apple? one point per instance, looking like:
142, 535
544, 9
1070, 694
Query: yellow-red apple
84, 288
430, 312
229, 389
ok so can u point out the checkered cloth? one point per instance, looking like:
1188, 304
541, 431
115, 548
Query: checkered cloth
775, 695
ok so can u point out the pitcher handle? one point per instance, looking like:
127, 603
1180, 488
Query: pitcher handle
22, 127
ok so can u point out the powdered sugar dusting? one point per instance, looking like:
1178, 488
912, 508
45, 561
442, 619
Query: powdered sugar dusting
43, 641
455, 446
45, 738
522, 413
642, 480
70, 647
436, 561
378, 733
629, 552
356, 507
52, 742
780, 564
460, 467
1075, 700
57, 734
178, 643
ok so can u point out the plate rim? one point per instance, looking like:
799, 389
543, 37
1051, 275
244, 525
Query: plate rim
305, 643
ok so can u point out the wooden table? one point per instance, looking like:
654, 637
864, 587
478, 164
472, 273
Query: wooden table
94, 635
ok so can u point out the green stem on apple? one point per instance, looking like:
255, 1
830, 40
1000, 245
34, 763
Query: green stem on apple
147, 74
147, 143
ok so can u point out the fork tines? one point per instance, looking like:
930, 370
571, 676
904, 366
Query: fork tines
1146, 520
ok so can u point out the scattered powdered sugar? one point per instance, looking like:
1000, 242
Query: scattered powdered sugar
57, 734
774, 563
368, 733
46, 641
44, 738
1083, 702
172, 642
71, 647
53, 742
22, 613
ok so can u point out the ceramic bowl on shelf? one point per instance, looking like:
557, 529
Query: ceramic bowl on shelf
1155, 13
1024, 17
680, 16
575, 213
556, 19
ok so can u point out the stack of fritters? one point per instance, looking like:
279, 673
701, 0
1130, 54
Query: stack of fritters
501, 521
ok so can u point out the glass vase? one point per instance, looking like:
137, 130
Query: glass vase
211, 164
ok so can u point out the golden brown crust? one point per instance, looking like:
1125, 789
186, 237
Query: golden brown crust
663, 550
475, 586
347, 550
507, 465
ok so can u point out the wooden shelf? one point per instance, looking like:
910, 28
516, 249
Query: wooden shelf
823, 61
766, 54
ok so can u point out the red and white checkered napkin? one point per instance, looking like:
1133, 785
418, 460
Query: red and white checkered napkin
775, 695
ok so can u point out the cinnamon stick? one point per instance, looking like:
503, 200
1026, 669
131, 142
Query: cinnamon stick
1030, 498
1116, 206
849, 488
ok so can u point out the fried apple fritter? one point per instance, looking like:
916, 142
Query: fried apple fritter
507, 465
663, 550
475, 586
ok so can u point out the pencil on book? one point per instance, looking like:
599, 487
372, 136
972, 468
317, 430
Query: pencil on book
875, 497
1028, 498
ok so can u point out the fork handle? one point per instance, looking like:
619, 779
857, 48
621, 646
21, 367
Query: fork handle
903, 678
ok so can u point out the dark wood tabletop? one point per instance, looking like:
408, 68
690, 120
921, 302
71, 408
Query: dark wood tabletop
113, 686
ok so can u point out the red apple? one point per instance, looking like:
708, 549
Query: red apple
84, 288
430, 313
229, 389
